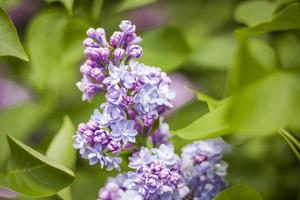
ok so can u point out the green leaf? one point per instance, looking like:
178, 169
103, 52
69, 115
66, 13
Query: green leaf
210, 125
51, 61
215, 52
211, 102
252, 13
166, 48
287, 19
61, 150
61, 147
67, 3
32, 174
266, 105
27, 116
240, 191
254, 60
288, 46
10, 44
131, 4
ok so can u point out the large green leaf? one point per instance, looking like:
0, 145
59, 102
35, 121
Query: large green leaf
166, 48
10, 44
30, 173
210, 125
254, 59
67, 3
241, 192
131, 4
61, 150
215, 52
254, 12
268, 104
56, 52
288, 18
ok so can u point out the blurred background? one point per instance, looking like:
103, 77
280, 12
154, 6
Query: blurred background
193, 40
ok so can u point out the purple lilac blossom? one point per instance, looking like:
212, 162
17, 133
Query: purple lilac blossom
203, 168
159, 174
128, 113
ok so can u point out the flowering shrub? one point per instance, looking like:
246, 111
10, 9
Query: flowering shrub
137, 96
235, 74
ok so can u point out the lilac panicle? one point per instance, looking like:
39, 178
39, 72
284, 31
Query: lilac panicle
111, 68
137, 96
159, 174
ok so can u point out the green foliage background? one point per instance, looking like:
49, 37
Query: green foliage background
242, 57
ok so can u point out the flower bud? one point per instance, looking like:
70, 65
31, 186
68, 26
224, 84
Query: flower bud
119, 53
135, 51
127, 27
116, 38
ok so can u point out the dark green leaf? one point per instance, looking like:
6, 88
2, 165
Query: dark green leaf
239, 192
287, 19
254, 12
131, 4
10, 44
30, 173
165, 48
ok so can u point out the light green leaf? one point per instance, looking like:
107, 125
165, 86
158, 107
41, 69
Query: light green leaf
166, 48
254, 12
241, 192
268, 104
211, 102
32, 174
210, 125
215, 52
287, 19
51, 61
288, 48
10, 44
254, 60
67, 3
131, 4
61, 151
27, 116
61, 147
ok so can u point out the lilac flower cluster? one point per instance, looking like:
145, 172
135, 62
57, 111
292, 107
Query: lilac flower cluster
159, 174
136, 96
203, 169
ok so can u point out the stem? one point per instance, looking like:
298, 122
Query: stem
292, 141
